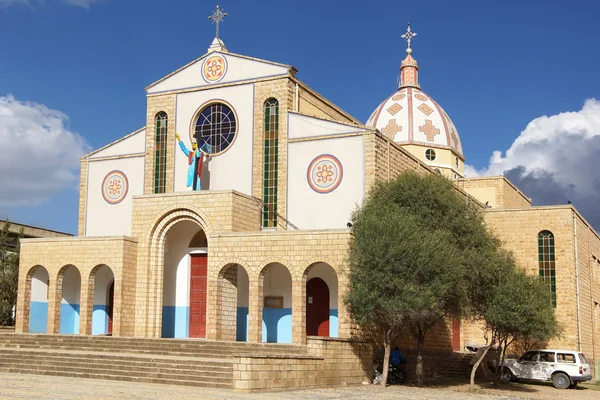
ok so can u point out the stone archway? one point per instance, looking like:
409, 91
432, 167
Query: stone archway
36, 299
277, 303
100, 297
67, 302
321, 300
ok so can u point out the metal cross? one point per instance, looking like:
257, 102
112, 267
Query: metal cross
408, 35
217, 17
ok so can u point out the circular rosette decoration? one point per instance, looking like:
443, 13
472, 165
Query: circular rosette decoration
324, 173
214, 68
115, 187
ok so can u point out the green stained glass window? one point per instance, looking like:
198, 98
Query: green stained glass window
271, 163
160, 153
547, 268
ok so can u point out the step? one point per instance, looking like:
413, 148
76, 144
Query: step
208, 384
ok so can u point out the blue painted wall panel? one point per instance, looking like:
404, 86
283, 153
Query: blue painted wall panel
100, 320
241, 333
38, 317
277, 325
333, 322
69, 318
175, 322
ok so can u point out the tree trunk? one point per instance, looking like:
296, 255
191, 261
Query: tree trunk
476, 365
499, 360
387, 345
419, 375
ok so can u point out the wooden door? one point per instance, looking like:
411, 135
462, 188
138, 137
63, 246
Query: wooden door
198, 280
317, 308
109, 311
456, 346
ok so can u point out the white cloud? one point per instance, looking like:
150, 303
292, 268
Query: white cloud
77, 3
39, 155
555, 159
81, 3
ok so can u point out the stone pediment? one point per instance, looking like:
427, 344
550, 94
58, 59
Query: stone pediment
217, 68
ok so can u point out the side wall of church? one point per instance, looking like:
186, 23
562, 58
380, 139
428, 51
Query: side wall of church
577, 291
311, 103
497, 191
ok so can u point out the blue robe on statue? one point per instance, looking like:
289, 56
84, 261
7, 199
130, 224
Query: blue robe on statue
193, 168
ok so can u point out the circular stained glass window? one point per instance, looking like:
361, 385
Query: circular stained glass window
215, 128
430, 154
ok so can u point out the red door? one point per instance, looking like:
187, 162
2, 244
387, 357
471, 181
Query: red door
456, 334
111, 297
198, 277
317, 307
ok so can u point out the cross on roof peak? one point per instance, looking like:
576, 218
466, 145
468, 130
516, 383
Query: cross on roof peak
217, 17
408, 36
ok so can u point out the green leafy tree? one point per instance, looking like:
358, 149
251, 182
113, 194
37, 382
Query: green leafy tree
415, 240
514, 306
9, 275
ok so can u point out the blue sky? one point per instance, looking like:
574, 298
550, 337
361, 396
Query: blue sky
494, 66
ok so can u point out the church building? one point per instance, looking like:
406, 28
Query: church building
225, 217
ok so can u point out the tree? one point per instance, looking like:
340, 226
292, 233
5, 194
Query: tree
414, 242
9, 275
514, 306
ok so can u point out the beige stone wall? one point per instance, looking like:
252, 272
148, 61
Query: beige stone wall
83, 183
297, 251
332, 362
85, 254
283, 91
313, 104
498, 191
156, 104
518, 230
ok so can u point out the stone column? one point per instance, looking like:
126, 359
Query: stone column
23, 303
255, 309
86, 306
54, 301
213, 309
299, 311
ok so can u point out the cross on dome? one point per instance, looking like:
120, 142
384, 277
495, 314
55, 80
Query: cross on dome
408, 36
217, 17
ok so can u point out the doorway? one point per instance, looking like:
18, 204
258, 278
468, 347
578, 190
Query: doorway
317, 307
198, 282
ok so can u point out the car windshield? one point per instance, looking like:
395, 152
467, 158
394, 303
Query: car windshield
582, 358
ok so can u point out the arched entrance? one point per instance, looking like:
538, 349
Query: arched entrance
38, 303
70, 287
184, 281
104, 280
277, 304
233, 298
317, 308
321, 300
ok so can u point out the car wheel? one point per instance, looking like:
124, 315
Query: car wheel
506, 376
561, 380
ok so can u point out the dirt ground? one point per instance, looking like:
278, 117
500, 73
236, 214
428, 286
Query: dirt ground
40, 387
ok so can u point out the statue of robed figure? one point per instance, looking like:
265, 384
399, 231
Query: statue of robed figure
195, 163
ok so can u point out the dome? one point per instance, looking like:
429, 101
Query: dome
411, 117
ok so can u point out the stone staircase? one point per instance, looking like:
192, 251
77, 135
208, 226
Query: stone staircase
192, 362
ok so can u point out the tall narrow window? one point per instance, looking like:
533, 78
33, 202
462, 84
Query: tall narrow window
271, 151
547, 269
160, 154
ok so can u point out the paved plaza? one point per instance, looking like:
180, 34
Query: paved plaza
39, 387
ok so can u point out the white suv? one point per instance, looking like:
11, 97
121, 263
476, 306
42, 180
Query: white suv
565, 368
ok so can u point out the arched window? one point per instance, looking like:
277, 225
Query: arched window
160, 153
271, 159
547, 269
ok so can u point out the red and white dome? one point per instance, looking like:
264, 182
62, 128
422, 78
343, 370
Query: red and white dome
409, 116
